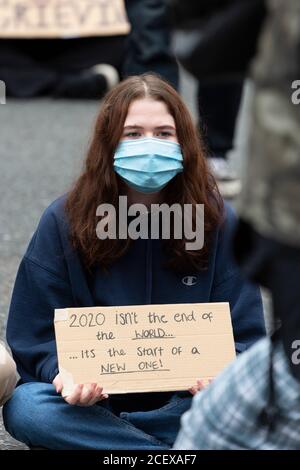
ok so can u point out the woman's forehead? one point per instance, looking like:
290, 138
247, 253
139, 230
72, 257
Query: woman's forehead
147, 111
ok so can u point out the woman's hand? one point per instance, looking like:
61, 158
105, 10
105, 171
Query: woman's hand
198, 387
82, 395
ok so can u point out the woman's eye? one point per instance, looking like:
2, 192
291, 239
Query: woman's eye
164, 134
132, 135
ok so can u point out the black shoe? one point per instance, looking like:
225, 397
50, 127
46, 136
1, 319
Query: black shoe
92, 83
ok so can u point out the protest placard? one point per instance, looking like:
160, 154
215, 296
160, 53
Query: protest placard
141, 348
62, 18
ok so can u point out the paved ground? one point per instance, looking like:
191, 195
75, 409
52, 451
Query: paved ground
42, 143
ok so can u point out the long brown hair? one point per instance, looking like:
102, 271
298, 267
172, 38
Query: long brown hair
99, 183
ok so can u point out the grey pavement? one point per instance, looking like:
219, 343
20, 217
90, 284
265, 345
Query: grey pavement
42, 144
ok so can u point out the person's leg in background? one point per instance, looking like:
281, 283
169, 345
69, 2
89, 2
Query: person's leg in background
8, 375
39, 417
149, 42
219, 103
87, 67
67, 68
23, 75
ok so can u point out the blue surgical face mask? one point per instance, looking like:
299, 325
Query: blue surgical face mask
147, 165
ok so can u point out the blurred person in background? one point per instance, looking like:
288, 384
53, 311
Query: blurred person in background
48, 48
62, 68
87, 67
214, 40
255, 402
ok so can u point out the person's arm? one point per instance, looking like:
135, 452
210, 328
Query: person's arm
30, 328
42, 284
8, 375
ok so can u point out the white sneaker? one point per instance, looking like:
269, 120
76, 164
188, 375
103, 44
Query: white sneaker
228, 182
109, 72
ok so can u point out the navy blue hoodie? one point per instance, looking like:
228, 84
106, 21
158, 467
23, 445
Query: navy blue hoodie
51, 276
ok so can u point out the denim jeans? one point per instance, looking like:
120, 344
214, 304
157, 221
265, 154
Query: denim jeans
38, 416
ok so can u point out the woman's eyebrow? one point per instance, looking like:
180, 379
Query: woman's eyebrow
133, 127
167, 126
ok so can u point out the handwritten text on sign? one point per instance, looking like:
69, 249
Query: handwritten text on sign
62, 18
143, 347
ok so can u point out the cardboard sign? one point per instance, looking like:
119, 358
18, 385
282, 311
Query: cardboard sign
143, 348
62, 18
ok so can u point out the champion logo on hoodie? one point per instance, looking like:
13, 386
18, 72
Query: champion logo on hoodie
189, 280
